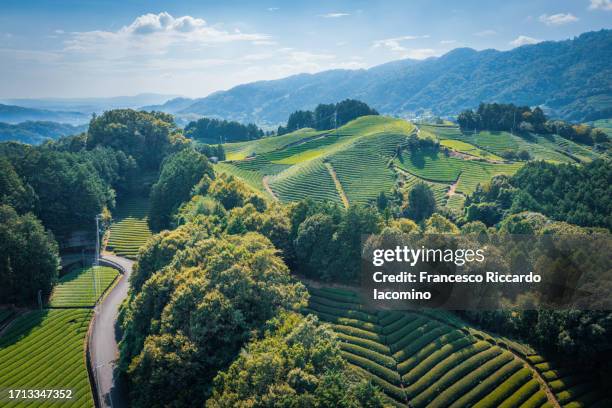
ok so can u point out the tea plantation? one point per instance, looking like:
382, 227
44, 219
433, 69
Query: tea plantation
130, 229
433, 359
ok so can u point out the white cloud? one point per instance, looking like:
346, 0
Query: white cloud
334, 15
601, 5
420, 53
394, 44
446, 42
558, 19
156, 33
273, 8
523, 40
485, 33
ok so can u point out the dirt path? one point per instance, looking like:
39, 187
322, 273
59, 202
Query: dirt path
268, 188
334, 176
453, 187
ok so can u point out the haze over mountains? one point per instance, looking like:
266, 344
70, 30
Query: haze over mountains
572, 79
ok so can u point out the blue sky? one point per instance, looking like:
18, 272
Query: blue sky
78, 48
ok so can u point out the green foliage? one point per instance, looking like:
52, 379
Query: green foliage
44, 350
328, 240
146, 136
303, 367
179, 174
13, 191
58, 177
202, 308
29, 258
222, 131
421, 203
327, 116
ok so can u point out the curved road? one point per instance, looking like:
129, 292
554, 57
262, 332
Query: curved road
103, 339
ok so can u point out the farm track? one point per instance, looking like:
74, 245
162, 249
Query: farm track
334, 177
266, 185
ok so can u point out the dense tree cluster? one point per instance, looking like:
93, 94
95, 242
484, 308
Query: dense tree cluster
211, 151
146, 136
191, 318
577, 195
179, 174
64, 189
327, 116
524, 120
222, 131
303, 366
29, 259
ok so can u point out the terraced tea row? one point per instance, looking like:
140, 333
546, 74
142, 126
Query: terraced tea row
82, 287
422, 360
573, 387
542, 147
437, 167
44, 350
130, 230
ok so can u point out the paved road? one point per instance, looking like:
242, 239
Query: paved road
103, 340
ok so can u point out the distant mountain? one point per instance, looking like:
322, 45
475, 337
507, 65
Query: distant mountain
90, 105
37, 132
16, 114
571, 79
171, 106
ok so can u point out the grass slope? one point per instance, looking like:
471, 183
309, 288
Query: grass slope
130, 230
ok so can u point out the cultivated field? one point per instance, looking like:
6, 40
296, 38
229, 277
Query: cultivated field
434, 359
354, 163
82, 287
130, 229
44, 350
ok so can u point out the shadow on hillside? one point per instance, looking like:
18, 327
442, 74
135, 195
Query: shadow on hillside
417, 159
21, 327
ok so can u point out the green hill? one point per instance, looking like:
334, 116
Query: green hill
354, 163
434, 359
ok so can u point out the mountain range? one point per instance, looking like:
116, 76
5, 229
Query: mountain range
570, 79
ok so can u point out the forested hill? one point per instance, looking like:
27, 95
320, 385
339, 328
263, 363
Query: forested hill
573, 78
36, 132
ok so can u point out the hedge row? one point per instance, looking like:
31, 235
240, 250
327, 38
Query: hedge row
522, 394
374, 356
353, 314
334, 303
357, 332
374, 368
410, 349
536, 400
386, 318
409, 333
431, 348
567, 396
485, 385
509, 388
448, 372
465, 346
369, 344
389, 389
462, 379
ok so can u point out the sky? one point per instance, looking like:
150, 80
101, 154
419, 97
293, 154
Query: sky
82, 48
